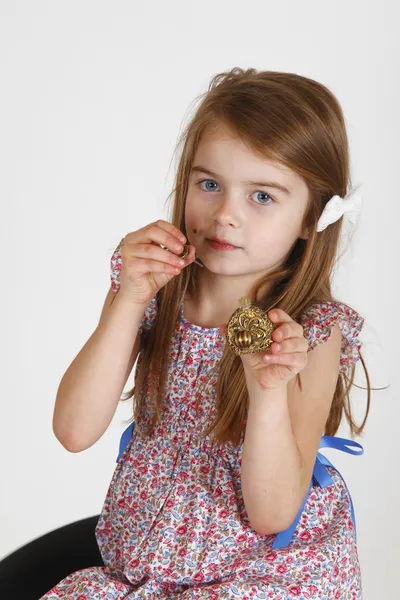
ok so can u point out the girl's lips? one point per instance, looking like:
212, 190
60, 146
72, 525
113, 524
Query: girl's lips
219, 246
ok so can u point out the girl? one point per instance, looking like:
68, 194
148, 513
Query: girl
219, 490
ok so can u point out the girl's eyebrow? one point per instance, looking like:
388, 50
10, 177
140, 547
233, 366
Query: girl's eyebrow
273, 184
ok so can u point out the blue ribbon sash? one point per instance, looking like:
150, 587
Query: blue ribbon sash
320, 476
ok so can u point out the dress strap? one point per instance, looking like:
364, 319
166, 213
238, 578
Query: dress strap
321, 477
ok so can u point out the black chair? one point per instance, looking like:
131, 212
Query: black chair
31, 571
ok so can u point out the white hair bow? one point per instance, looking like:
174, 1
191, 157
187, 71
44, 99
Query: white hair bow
338, 206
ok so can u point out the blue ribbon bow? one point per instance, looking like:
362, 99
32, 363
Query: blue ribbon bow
125, 437
320, 476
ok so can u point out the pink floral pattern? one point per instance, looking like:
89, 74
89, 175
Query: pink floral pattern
318, 321
174, 522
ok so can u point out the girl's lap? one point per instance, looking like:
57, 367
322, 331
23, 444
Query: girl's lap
97, 584
264, 591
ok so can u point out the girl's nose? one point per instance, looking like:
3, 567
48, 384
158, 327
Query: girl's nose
226, 212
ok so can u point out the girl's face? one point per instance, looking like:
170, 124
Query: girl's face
233, 195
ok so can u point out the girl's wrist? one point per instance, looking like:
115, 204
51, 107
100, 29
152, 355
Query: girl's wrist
129, 303
261, 400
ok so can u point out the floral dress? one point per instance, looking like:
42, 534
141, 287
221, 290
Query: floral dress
174, 522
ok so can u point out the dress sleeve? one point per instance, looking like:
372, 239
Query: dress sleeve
115, 269
318, 320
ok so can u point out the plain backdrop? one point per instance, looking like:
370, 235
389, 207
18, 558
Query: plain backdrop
93, 97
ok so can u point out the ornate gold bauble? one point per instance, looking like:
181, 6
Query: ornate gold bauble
249, 329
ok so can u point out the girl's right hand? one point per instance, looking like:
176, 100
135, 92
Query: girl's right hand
146, 267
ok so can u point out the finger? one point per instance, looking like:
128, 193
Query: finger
155, 253
294, 344
288, 330
192, 253
170, 230
279, 315
292, 359
190, 256
158, 233
148, 265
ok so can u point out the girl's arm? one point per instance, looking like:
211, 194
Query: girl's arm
91, 387
283, 433
272, 472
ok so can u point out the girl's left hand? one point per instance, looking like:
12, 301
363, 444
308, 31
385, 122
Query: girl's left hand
287, 356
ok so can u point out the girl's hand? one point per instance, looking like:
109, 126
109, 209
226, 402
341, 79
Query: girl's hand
274, 369
146, 267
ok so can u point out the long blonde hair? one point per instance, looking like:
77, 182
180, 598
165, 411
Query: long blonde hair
297, 121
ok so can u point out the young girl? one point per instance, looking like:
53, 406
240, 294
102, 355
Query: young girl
219, 490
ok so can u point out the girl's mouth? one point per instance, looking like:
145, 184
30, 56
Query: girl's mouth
221, 246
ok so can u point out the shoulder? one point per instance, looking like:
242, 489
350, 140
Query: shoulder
318, 321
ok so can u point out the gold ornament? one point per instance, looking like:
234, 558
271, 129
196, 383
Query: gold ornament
249, 330
183, 254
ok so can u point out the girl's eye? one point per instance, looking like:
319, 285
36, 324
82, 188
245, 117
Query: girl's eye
207, 181
262, 198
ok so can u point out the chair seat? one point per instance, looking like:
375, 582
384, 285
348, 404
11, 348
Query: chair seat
32, 570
